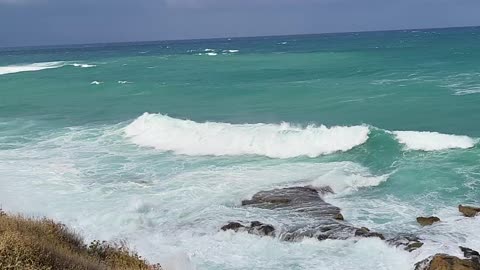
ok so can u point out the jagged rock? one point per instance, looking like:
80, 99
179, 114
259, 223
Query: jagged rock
365, 232
468, 211
446, 262
471, 254
255, 227
235, 226
407, 241
313, 217
426, 221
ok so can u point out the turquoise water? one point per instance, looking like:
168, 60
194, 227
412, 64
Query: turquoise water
158, 143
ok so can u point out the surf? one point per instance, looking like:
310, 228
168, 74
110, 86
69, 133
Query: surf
283, 140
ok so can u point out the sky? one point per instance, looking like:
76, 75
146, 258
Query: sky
55, 22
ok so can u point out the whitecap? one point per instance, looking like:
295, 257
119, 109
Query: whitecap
30, 67
96, 82
83, 65
272, 140
433, 141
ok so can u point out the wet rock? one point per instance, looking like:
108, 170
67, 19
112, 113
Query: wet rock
297, 199
468, 211
255, 227
365, 232
447, 262
234, 226
471, 254
407, 241
323, 190
427, 221
310, 215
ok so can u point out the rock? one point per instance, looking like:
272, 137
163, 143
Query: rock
407, 241
235, 226
365, 232
255, 227
426, 221
468, 211
413, 246
446, 262
309, 215
471, 254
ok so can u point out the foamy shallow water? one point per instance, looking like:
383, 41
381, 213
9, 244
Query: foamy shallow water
170, 207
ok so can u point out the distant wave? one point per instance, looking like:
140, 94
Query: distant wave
272, 140
39, 66
433, 141
83, 65
30, 67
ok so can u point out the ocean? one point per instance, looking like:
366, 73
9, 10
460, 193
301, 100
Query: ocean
157, 143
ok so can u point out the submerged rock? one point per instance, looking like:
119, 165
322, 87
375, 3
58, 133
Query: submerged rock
426, 221
407, 241
447, 262
471, 254
468, 211
255, 227
311, 215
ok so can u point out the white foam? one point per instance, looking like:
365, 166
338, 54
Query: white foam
83, 65
211, 53
347, 176
231, 51
272, 140
433, 141
30, 67
96, 82
124, 82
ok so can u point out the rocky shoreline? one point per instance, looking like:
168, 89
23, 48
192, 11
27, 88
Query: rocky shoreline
325, 221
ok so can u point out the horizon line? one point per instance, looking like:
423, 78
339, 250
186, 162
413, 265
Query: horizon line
120, 43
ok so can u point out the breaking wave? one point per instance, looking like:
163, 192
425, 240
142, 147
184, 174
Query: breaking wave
39, 66
272, 140
433, 141
30, 67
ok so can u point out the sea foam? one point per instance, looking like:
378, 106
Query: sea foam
433, 141
40, 66
272, 140
30, 67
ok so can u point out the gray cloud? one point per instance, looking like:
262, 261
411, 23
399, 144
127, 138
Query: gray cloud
34, 22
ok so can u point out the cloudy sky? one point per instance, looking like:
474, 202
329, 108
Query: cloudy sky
43, 22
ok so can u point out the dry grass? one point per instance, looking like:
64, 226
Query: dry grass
42, 244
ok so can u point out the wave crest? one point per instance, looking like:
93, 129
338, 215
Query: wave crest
40, 66
432, 141
272, 140
30, 67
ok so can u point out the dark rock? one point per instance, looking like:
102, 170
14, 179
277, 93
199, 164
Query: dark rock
446, 262
311, 215
468, 211
408, 242
471, 254
259, 228
365, 232
323, 190
426, 221
235, 226
255, 227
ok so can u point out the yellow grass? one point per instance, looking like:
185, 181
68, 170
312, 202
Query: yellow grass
42, 244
